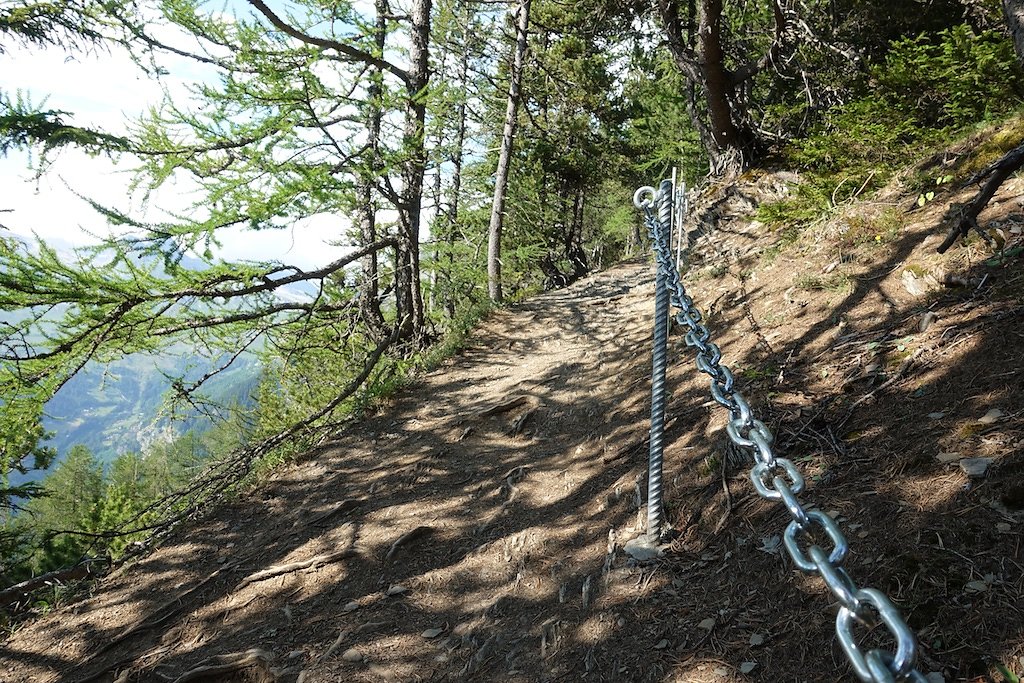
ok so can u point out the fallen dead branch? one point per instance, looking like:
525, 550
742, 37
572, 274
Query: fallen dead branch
81, 570
966, 216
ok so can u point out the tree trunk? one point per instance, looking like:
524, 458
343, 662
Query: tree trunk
505, 155
696, 44
408, 295
435, 196
1014, 10
454, 192
366, 210
576, 253
716, 80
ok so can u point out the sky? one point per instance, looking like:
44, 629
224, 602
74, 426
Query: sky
106, 90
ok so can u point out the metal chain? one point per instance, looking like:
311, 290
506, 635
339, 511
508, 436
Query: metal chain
779, 479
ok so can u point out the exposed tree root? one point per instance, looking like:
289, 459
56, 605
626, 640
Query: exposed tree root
343, 506
505, 406
407, 537
215, 668
278, 570
161, 614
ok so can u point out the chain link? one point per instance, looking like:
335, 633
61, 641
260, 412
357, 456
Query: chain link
777, 478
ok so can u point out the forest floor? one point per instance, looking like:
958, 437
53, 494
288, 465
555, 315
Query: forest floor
472, 527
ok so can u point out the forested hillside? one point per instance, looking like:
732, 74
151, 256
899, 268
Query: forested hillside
470, 155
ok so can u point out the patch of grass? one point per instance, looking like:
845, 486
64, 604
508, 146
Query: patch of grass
455, 337
809, 203
756, 374
788, 237
992, 148
835, 282
916, 270
969, 430
881, 228
709, 465
718, 270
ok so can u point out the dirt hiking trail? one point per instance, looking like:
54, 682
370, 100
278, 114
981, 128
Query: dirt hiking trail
471, 529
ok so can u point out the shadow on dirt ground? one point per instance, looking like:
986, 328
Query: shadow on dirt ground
472, 528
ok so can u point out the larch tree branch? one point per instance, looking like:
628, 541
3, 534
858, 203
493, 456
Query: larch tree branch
353, 53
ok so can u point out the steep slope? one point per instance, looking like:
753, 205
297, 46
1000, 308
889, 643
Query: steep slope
471, 530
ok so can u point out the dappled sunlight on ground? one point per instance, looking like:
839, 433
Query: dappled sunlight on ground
471, 529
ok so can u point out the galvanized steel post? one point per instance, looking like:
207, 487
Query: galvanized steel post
655, 506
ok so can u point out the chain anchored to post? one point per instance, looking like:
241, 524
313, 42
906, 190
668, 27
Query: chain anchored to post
776, 478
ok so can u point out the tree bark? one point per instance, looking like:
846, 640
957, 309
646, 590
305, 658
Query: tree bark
409, 297
716, 80
698, 51
505, 155
575, 252
366, 210
1014, 11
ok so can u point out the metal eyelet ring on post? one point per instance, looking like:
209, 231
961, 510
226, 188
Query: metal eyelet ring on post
644, 197
902, 661
840, 545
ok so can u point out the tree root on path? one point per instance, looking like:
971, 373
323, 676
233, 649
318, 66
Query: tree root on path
342, 507
280, 569
506, 406
415, 534
336, 645
214, 668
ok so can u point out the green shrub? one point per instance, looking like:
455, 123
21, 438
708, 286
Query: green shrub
953, 79
927, 89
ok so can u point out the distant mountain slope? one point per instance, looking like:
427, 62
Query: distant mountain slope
117, 408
